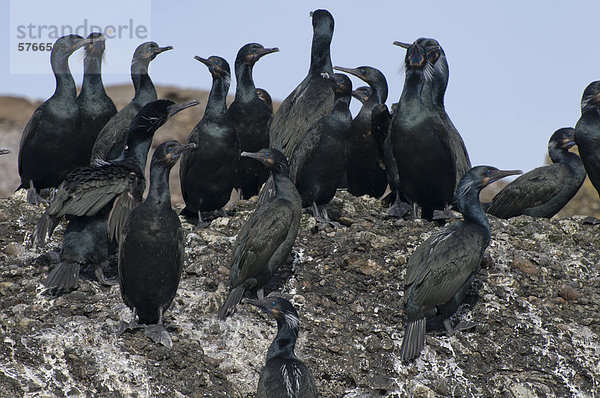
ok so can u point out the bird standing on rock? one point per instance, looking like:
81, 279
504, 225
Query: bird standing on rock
266, 239
587, 133
441, 269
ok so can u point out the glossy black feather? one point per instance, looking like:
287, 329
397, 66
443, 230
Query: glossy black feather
587, 133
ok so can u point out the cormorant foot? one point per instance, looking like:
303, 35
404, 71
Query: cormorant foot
124, 326
34, 198
399, 209
590, 221
159, 335
103, 280
460, 326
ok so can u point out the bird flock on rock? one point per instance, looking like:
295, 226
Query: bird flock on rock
85, 161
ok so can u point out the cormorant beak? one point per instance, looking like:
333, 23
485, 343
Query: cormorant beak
203, 60
567, 143
159, 50
258, 156
495, 175
272, 312
266, 51
352, 71
177, 151
82, 43
311, 13
400, 44
173, 109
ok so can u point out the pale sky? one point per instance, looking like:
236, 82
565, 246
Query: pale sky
517, 68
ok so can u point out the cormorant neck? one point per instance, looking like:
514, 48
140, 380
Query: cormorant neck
217, 99
65, 85
284, 343
144, 88
92, 77
320, 55
570, 159
159, 192
470, 207
344, 100
380, 91
245, 88
137, 148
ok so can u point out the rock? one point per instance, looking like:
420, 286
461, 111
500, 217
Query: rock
569, 293
13, 249
526, 266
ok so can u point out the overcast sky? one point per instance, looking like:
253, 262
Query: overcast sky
517, 69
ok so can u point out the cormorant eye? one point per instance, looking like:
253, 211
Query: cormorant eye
273, 303
253, 50
217, 62
488, 172
267, 154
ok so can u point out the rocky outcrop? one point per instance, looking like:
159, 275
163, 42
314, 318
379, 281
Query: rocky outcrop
535, 300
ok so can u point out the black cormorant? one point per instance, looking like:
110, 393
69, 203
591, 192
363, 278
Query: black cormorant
430, 154
152, 249
587, 132
266, 239
542, 192
208, 174
283, 375
251, 117
111, 140
265, 96
49, 147
362, 93
440, 271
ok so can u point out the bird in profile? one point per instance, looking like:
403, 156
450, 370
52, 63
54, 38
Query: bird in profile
365, 172
111, 140
266, 239
318, 163
151, 250
544, 191
283, 375
251, 117
115, 187
207, 175
50, 147
587, 133
441, 269
362, 93
430, 154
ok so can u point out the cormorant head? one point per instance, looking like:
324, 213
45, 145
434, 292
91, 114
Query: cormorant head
426, 54
279, 309
480, 177
146, 52
96, 47
271, 158
252, 52
563, 138
264, 95
155, 114
169, 152
342, 85
591, 96
362, 93
217, 66
323, 24
67, 45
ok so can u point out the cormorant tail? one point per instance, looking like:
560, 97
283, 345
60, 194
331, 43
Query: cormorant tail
234, 298
414, 340
44, 227
64, 277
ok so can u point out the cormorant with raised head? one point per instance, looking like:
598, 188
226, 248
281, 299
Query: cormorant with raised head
114, 186
151, 250
208, 174
318, 162
544, 191
365, 172
266, 239
283, 375
587, 132
251, 117
49, 147
441, 269
430, 153
111, 140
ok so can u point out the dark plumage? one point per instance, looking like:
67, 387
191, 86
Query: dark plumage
49, 147
266, 239
208, 174
587, 132
440, 271
114, 187
362, 93
544, 191
365, 171
430, 154
111, 140
265, 96
283, 375
251, 117
152, 249
95, 106
318, 162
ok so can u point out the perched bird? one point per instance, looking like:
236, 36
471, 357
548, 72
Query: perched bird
266, 239
587, 132
95, 106
86, 191
208, 174
283, 375
430, 154
111, 140
440, 271
318, 162
362, 93
151, 250
265, 96
251, 117
365, 171
49, 147
544, 191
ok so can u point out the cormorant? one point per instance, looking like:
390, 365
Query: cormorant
430, 154
311, 100
264, 96
365, 172
114, 186
266, 239
362, 93
283, 375
95, 106
587, 132
542, 192
111, 140
49, 147
251, 117
318, 162
208, 174
440, 271
152, 249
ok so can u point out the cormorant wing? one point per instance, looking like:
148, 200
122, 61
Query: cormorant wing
29, 131
187, 160
304, 151
380, 123
456, 147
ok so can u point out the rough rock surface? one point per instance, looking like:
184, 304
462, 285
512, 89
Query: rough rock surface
536, 304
